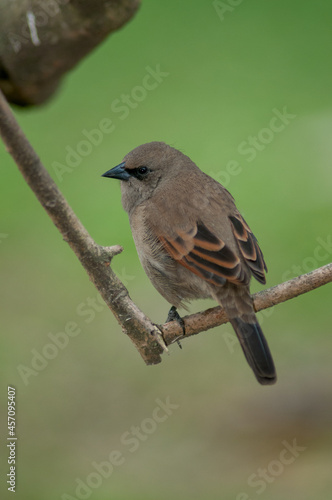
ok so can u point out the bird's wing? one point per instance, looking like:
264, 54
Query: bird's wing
200, 251
249, 247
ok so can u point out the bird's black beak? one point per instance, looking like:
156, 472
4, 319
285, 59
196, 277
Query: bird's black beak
118, 172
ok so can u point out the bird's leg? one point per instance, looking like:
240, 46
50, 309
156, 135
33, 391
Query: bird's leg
173, 315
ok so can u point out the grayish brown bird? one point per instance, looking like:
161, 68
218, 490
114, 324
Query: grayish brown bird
192, 241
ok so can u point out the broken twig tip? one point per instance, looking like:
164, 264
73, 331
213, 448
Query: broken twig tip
114, 250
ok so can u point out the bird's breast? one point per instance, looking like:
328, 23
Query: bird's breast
172, 280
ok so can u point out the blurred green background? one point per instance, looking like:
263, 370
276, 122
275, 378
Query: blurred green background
225, 75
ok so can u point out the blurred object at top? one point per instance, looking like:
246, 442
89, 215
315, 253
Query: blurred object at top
41, 41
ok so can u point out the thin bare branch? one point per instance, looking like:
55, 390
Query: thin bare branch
202, 321
96, 259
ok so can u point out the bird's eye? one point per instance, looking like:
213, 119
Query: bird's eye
142, 170
139, 172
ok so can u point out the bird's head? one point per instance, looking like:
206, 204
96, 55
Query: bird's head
145, 169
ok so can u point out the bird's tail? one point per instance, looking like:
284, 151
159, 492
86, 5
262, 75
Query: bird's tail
256, 350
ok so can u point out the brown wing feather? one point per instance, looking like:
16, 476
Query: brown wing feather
200, 251
249, 247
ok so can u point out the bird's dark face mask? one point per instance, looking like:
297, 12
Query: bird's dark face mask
124, 174
139, 183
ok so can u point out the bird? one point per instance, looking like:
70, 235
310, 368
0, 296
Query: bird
193, 243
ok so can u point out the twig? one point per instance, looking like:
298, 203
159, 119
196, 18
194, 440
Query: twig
96, 259
196, 323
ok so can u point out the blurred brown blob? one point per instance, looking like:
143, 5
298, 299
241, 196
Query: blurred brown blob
41, 41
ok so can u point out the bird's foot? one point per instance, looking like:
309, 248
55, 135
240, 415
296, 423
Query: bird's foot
173, 315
